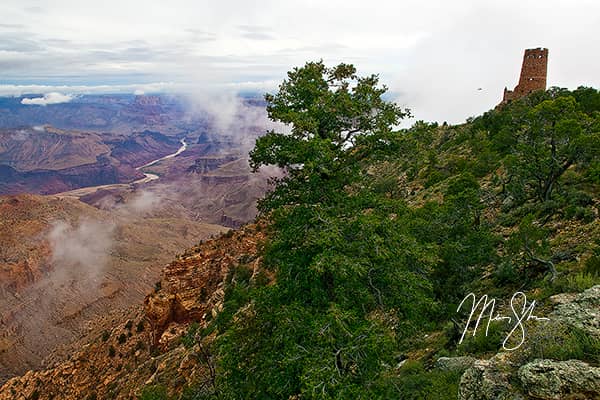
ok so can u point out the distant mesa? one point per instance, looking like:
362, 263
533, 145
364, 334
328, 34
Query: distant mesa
533, 75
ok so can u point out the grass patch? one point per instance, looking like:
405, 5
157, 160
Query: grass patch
559, 342
155, 392
577, 282
414, 382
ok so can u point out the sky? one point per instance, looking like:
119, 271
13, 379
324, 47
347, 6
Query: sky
446, 60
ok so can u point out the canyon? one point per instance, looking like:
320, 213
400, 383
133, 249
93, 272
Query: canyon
95, 198
141, 345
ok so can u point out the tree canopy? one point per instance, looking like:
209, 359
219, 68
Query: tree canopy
555, 135
336, 120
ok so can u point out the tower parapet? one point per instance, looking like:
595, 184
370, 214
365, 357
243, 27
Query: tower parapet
533, 75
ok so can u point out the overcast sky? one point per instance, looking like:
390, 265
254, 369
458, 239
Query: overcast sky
433, 55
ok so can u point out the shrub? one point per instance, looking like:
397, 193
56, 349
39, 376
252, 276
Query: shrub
198, 392
434, 177
155, 392
416, 383
583, 281
140, 326
584, 214
228, 234
560, 342
576, 282
122, 338
579, 198
592, 264
593, 173
140, 345
482, 343
105, 336
111, 351
189, 339
506, 273
239, 275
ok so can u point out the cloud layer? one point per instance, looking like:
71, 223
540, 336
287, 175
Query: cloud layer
20, 90
433, 54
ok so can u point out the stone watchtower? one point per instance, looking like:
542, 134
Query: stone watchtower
533, 75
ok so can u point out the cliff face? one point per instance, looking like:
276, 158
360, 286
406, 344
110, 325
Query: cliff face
192, 285
54, 160
206, 164
64, 263
102, 172
24, 220
49, 148
143, 346
142, 147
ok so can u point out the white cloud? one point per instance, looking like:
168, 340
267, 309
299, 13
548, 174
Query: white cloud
47, 99
80, 250
144, 201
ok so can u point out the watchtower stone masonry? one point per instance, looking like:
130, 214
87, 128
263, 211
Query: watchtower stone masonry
533, 75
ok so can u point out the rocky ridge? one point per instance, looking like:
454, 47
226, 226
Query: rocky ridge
145, 345
512, 376
47, 160
64, 263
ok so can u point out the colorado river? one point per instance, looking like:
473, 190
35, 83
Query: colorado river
178, 152
150, 177
147, 177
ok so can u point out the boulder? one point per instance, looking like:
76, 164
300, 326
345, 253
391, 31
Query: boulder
581, 311
487, 380
555, 380
454, 363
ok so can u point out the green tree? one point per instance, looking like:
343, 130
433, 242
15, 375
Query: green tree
351, 281
529, 245
337, 119
555, 136
588, 99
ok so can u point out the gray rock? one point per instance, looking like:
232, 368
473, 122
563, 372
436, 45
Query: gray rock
486, 380
541, 379
554, 380
454, 363
508, 201
581, 311
563, 298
